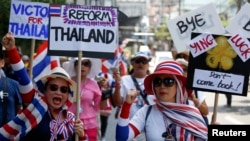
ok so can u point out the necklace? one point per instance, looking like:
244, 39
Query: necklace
167, 135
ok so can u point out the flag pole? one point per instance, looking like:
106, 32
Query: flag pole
78, 102
33, 42
78, 91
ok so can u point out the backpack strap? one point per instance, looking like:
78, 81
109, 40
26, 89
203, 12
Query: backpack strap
143, 95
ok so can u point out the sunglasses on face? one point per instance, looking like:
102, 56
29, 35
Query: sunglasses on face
143, 61
63, 89
168, 82
84, 63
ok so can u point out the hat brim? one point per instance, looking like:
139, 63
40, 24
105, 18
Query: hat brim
149, 79
94, 70
147, 58
46, 78
175, 53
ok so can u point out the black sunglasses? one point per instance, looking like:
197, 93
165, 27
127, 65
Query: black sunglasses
168, 82
143, 61
86, 63
54, 87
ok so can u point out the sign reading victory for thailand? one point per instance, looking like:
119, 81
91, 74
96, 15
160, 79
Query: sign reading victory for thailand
241, 22
203, 19
90, 29
29, 20
219, 63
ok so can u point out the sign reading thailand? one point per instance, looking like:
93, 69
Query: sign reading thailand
219, 63
29, 20
203, 19
90, 29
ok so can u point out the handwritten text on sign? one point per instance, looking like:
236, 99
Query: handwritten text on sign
220, 81
203, 19
241, 46
91, 28
201, 44
29, 20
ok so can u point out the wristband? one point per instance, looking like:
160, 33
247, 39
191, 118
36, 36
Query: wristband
84, 138
117, 85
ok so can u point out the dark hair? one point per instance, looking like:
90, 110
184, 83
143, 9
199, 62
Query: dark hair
1, 51
76, 62
181, 55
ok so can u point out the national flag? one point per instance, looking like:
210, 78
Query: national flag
55, 10
43, 63
118, 61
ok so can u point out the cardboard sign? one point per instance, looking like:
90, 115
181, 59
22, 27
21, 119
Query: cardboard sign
219, 69
90, 29
201, 43
204, 19
241, 46
240, 22
29, 20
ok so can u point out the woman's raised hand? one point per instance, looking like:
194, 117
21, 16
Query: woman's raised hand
8, 41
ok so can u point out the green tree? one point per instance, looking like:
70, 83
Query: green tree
4, 23
162, 32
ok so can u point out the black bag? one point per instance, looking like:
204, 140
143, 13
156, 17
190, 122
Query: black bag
106, 94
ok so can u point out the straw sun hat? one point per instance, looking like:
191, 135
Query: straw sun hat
94, 70
58, 72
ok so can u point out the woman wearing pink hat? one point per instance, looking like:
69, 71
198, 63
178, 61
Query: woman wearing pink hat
170, 119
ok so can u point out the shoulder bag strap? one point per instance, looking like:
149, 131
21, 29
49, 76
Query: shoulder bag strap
144, 96
147, 114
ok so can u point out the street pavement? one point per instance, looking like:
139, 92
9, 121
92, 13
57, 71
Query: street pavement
238, 114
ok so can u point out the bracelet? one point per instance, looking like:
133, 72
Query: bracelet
118, 84
84, 138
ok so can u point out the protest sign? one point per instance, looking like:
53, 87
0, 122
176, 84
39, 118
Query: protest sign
216, 65
240, 22
203, 19
90, 29
29, 20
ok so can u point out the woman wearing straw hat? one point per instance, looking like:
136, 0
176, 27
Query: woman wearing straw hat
90, 93
45, 116
170, 118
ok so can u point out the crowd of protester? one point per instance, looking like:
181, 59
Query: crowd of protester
149, 104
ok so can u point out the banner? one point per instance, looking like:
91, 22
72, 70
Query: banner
90, 29
241, 22
29, 20
203, 19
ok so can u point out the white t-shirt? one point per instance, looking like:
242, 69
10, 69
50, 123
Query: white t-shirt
154, 126
127, 83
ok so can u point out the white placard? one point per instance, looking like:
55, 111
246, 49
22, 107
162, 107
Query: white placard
241, 46
83, 28
240, 22
219, 81
29, 20
201, 44
204, 19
